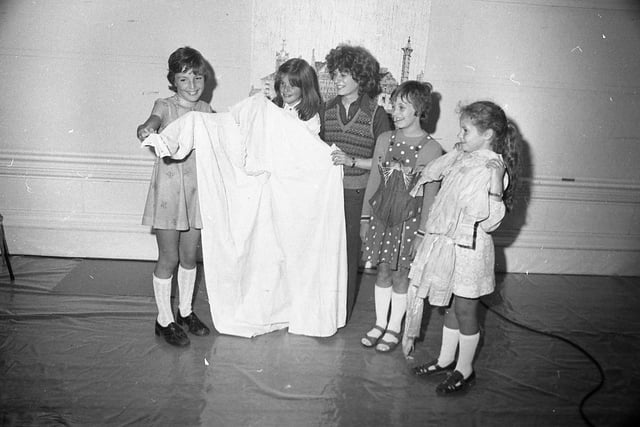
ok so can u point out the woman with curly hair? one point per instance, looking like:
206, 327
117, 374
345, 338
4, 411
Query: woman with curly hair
352, 121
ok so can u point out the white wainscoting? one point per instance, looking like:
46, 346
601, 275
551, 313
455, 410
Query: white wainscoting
72, 205
572, 227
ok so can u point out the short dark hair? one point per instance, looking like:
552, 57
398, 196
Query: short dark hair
417, 93
184, 59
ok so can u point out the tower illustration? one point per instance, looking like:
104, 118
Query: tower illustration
282, 56
406, 61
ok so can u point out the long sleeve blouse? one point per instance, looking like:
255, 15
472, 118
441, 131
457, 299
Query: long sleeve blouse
461, 206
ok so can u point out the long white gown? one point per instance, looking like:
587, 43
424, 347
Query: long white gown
273, 236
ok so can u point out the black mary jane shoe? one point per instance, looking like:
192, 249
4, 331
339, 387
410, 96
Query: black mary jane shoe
455, 383
196, 327
432, 368
172, 334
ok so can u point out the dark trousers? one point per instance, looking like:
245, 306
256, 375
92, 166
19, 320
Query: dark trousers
353, 200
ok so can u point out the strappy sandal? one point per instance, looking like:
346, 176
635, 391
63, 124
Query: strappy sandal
390, 344
369, 340
432, 368
454, 383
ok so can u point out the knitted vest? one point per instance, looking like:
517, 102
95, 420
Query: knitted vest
355, 137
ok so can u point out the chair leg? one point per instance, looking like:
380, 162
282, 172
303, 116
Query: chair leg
5, 253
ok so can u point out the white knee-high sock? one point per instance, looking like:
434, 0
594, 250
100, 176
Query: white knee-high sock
450, 338
468, 345
186, 283
382, 299
398, 309
162, 293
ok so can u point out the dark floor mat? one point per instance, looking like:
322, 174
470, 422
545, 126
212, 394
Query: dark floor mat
75, 356
109, 277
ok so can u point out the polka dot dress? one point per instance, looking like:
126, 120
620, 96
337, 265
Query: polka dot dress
392, 243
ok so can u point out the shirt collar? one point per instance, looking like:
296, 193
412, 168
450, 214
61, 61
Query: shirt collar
291, 107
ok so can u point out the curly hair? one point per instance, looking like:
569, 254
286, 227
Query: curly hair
300, 75
506, 141
358, 61
417, 93
183, 60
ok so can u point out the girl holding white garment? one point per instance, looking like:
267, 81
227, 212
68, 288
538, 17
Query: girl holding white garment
298, 92
172, 206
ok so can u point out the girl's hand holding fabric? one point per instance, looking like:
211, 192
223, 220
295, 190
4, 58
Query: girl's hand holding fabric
498, 168
339, 157
407, 345
144, 132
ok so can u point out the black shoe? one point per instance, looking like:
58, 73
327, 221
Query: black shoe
455, 383
432, 368
172, 334
196, 327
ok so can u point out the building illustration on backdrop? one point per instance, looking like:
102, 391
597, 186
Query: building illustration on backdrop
327, 89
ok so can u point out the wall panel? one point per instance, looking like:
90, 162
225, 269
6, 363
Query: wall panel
78, 77
95, 211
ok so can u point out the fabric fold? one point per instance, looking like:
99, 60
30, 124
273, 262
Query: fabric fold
273, 236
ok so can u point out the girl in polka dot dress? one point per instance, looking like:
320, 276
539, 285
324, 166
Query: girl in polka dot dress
391, 218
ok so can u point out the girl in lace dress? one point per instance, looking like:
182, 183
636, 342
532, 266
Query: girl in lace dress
454, 265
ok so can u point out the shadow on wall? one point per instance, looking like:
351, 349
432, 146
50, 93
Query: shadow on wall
429, 123
210, 85
516, 219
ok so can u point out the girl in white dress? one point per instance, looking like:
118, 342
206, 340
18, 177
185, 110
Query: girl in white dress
454, 264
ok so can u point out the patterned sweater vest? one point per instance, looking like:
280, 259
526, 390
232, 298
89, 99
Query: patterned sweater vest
355, 137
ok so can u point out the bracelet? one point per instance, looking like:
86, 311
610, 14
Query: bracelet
498, 195
420, 233
365, 218
353, 162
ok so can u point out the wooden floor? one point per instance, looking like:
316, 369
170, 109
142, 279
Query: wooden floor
77, 348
